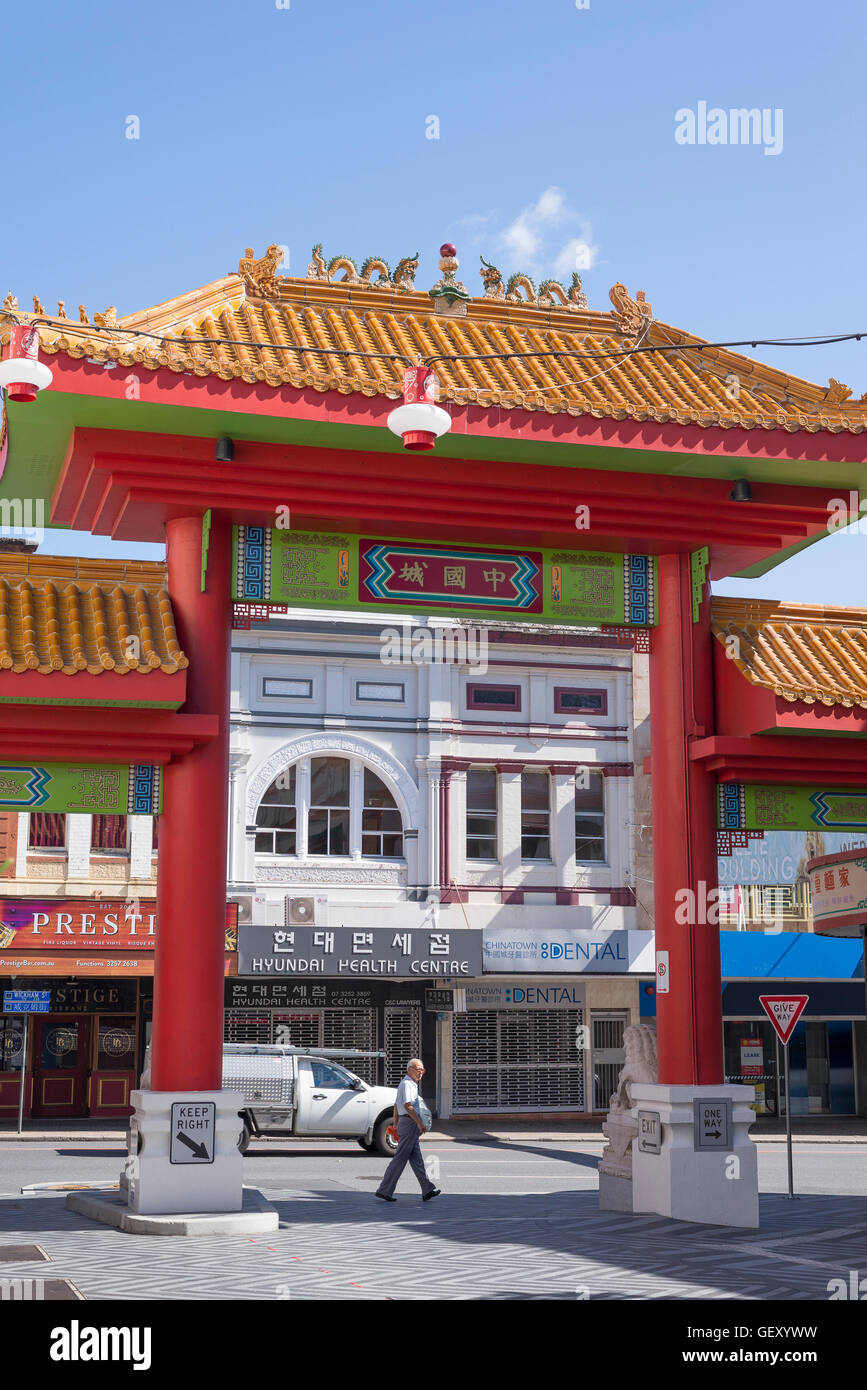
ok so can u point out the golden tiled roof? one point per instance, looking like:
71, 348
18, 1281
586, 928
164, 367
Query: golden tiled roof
85, 615
799, 651
243, 325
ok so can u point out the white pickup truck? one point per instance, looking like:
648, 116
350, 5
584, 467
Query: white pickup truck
305, 1091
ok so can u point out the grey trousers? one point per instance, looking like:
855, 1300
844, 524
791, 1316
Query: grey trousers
408, 1152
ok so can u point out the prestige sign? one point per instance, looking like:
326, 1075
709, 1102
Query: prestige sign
85, 924
400, 953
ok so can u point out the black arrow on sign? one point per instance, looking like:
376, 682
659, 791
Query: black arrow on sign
711, 1133
199, 1150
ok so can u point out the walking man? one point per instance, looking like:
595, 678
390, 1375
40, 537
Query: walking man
410, 1112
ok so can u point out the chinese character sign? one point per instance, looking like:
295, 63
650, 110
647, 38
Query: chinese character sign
282, 566
404, 953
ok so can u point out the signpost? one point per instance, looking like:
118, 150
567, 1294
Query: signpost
193, 1131
26, 1002
784, 1010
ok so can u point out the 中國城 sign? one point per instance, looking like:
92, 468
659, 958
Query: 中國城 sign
133, 789
755, 806
308, 569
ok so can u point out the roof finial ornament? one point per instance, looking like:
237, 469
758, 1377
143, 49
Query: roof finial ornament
448, 294
258, 274
61, 309
631, 315
82, 314
38, 306
10, 302
493, 280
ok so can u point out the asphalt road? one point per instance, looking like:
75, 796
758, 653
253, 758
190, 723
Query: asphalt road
517, 1168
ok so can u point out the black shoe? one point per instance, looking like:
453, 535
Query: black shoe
434, 1192
384, 1197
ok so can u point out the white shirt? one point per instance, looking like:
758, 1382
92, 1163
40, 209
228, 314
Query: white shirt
407, 1091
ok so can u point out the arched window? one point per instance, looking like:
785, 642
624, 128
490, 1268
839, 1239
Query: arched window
329, 806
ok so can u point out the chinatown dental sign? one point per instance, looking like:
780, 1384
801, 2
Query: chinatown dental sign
21, 372
419, 421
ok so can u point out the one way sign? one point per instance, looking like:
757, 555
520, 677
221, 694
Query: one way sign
193, 1130
712, 1124
784, 1010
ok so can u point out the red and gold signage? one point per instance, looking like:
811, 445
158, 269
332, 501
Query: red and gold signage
115, 925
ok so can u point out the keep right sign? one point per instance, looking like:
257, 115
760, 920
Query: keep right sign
784, 1010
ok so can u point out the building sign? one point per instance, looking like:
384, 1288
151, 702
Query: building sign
133, 789
712, 1124
309, 569
569, 951
496, 995
838, 884
85, 924
754, 806
26, 1001
649, 1132
92, 996
317, 994
402, 953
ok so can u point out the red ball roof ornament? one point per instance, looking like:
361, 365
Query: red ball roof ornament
448, 248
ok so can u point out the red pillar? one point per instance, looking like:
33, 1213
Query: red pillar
689, 1017
186, 1052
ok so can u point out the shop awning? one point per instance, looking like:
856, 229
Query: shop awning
790, 956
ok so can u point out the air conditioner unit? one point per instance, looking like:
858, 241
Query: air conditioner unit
251, 909
311, 911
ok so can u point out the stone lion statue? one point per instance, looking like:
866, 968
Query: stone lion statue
639, 1041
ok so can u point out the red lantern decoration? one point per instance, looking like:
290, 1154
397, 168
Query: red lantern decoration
419, 421
21, 372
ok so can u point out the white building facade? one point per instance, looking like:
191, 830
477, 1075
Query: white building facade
435, 787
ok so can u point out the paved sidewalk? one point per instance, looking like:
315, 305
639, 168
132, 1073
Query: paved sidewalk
805, 1130
335, 1242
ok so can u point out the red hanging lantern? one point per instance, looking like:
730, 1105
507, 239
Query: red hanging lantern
419, 421
21, 372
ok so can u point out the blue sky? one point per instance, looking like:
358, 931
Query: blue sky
556, 131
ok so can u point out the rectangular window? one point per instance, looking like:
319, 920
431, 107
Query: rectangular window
493, 696
481, 814
47, 830
381, 825
384, 692
571, 700
286, 688
535, 816
590, 821
108, 833
328, 823
275, 818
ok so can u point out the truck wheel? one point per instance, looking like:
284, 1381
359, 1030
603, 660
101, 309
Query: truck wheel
245, 1137
382, 1142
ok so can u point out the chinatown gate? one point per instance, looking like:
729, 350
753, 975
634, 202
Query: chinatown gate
584, 479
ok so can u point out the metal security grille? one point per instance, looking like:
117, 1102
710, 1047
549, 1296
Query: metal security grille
606, 1039
523, 1059
352, 1028
242, 1026
402, 1039
309, 1028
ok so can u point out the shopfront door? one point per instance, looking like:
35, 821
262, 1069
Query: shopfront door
113, 1073
61, 1060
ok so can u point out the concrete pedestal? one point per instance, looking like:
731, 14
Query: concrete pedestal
208, 1181
716, 1186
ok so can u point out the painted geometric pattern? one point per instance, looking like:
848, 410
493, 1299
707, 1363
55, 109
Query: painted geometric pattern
144, 790
732, 805
638, 586
253, 563
727, 841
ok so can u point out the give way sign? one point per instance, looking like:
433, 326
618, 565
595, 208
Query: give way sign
784, 1010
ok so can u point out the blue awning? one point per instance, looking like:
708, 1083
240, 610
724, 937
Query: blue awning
756, 955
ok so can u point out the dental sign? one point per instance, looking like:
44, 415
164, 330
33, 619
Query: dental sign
571, 951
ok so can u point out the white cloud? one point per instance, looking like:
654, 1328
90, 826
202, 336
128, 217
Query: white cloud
579, 254
523, 238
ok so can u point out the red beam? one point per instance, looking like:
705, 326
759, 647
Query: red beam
744, 709
776, 758
133, 689
60, 733
80, 377
128, 485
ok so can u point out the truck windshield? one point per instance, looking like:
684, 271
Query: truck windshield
329, 1075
